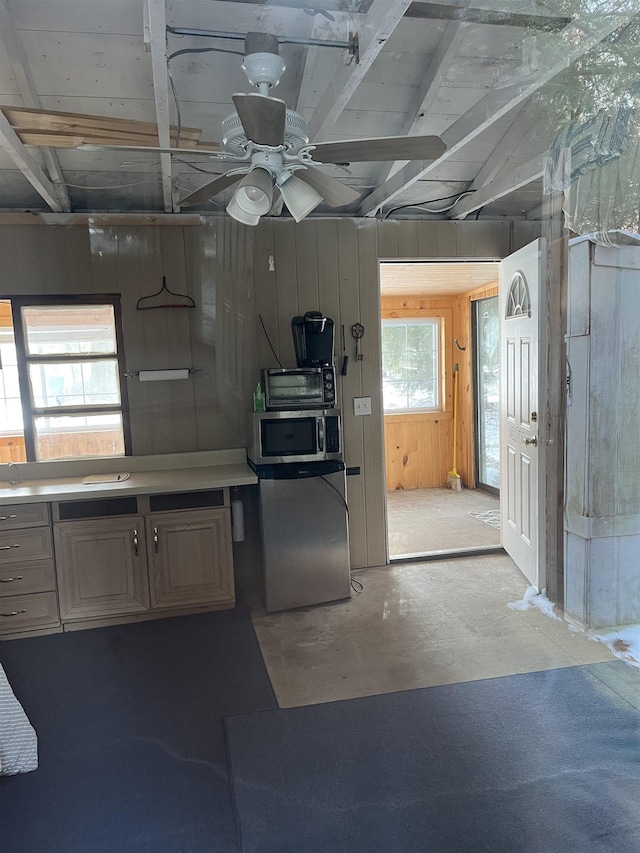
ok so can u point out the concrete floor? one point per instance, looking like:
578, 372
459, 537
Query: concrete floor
424, 521
414, 625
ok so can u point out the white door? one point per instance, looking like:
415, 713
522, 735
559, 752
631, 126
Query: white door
522, 365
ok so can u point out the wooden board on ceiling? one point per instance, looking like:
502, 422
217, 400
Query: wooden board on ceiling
434, 279
34, 119
69, 130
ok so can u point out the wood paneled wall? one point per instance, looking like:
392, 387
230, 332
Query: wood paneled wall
212, 264
329, 264
12, 449
419, 447
333, 265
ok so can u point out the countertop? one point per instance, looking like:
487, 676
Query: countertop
177, 472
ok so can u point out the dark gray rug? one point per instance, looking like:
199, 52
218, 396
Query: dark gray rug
130, 723
544, 762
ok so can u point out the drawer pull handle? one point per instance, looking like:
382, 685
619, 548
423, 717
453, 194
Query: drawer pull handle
14, 613
10, 580
135, 542
155, 539
7, 517
8, 547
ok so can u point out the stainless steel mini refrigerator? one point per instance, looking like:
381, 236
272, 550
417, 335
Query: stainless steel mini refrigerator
305, 542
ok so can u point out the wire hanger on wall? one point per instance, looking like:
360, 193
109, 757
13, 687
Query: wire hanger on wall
187, 303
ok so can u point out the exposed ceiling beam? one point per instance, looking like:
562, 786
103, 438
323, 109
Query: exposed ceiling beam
32, 171
500, 187
157, 17
531, 14
553, 58
320, 28
14, 51
523, 123
381, 20
100, 219
492, 17
438, 67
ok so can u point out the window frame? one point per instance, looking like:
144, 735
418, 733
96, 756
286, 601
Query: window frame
30, 412
438, 321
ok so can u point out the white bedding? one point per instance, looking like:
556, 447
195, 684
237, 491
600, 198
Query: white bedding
18, 740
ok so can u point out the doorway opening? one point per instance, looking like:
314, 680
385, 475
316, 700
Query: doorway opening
438, 317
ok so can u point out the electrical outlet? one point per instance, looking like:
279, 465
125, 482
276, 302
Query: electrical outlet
362, 405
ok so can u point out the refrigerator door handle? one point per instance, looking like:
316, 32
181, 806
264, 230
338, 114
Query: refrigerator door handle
320, 431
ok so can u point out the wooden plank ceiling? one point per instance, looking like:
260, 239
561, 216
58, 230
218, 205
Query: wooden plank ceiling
434, 279
474, 72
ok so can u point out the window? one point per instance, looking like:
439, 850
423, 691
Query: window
62, 379
411, 365
518, 302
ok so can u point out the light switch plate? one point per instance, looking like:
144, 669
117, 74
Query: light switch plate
362, 405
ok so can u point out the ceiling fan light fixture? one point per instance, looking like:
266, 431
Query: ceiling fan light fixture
236, 212
255, 192
299, 197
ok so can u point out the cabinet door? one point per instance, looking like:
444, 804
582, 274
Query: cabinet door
102, 567
190, 558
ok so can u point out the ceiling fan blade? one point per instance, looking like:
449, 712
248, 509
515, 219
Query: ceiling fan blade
381, 148
210, 189
334, 192
262, 118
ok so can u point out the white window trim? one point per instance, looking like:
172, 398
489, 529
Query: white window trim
438, 322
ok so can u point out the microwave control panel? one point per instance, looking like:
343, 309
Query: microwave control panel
332, 434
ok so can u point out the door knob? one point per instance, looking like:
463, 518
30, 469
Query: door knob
533, 441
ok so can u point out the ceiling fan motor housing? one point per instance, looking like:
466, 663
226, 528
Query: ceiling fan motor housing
235, 141
262, 63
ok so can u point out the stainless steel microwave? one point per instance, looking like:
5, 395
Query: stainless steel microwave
301, 436
299, 388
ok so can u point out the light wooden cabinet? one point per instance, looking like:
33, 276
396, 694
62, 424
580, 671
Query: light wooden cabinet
190, 558
108, 560
102, 567
173, 558
28, 599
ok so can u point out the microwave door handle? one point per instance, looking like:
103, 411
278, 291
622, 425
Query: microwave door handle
320, 430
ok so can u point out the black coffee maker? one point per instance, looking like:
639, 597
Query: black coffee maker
313, 339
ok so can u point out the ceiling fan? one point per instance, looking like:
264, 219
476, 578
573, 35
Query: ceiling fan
266, 144
270, 145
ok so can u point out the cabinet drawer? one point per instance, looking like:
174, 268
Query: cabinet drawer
19, 546
39, 576
19, 612
15, 516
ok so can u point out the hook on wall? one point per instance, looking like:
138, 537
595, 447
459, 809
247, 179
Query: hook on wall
457, 343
